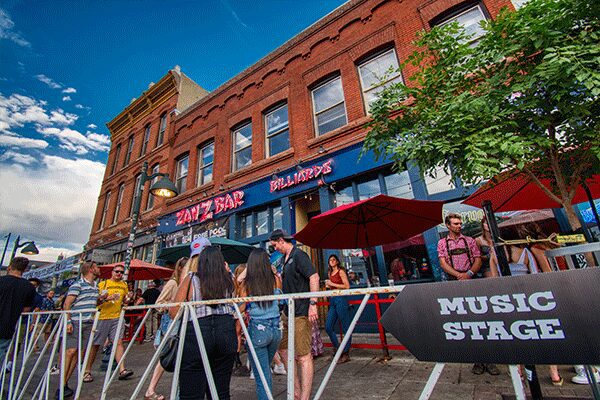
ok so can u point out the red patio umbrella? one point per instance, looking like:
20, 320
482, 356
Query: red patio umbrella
138, 271
379, 220
514, 190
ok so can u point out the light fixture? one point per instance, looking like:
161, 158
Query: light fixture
164, 188
30, 249
322, 149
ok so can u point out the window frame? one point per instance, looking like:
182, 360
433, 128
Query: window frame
115, 164
178, 177
374, 57
269, 209
130, 144
105, 210
146, 140
270, 136
234, 132
118, 204
161, 130
315, 114
454, 16
201, 167
150, 201
136, 184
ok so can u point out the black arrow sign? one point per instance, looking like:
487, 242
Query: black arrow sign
551, 318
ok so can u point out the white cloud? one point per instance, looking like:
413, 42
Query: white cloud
19, 158
92, 126
48, 81
7, 32
54, 203
69, 90
66, 98
8, 139
51, 253
77, 142
19, 110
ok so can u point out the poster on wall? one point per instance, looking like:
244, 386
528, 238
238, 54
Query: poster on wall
218, 228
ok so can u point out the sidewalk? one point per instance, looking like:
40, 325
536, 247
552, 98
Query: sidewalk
365, 377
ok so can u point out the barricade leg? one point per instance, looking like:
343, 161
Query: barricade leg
154, 359
175, 382
26, 359
291, 356
14, 362
340, 349
63, 360
382, 337
204, 355
431, 382
592, 380
5, 363
517, 383
107, 377
86, 356
261, 373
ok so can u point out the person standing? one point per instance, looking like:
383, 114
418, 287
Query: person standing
16, 296
82, 295
263, 327
212, 280
115, 290
299, 276
149, 298
460, 258
338, 306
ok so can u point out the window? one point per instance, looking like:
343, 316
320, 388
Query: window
181, 173
368, 189
242, 150
206, 156
136, 186
119, 202
129, 150
329, 107
398, 185
161, 130
259, 222
145, 142
470, 20
278, 133
378, 73
519, 3
439, 181
246, 226
105, 210
150, 202
116, 159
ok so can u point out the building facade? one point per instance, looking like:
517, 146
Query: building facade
281, 141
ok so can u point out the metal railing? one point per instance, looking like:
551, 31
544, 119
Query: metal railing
569, 252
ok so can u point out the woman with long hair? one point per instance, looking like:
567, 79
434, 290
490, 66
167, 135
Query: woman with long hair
485, 243
212, 280
167, 295
338, 305
261, 280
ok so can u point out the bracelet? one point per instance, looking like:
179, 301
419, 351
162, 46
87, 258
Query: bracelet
470, 273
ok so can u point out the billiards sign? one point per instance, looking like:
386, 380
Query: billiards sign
550, 318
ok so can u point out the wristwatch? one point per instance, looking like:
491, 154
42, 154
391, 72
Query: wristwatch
313, 303
470, 273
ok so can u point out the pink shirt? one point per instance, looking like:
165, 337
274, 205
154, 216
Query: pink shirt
460, 262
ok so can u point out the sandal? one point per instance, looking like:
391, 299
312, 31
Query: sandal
87, 377
154, 396
559, 382
126, 373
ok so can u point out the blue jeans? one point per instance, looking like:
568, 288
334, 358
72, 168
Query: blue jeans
4, 343
265, 335
338, 310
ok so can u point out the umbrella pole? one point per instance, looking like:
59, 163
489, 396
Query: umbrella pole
532, 378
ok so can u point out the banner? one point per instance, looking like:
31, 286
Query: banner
58, 268
550, 318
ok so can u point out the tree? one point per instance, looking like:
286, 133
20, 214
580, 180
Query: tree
525, 91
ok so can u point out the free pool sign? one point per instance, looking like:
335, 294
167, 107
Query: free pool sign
551, 318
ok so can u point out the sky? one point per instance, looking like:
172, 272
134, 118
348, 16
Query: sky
69, 67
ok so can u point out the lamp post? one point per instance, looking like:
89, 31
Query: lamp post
5, 247
29, 248
162, 188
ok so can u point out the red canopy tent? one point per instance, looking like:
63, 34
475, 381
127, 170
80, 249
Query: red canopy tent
138, 271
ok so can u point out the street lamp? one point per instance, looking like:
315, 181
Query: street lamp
28, 248
162, 188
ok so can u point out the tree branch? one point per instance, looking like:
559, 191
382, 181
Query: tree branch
542, 186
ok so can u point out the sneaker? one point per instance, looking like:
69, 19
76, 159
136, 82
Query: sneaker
478, 369
9, 366
279, 369
582, 379
54, 370
68, 392
252, 375
492, 369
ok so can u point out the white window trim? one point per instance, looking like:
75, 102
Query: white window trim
119, 203
234, 134
455, 17
312, 94
177, 170
104, 211
390, 78
116, 159
145, 141
268, 136
201, 166
161, 130
130, 145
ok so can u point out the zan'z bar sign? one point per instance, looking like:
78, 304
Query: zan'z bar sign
304, 175
549, 318
210, 208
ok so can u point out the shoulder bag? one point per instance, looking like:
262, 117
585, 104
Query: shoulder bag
168, 354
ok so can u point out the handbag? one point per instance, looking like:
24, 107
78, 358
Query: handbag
168, 354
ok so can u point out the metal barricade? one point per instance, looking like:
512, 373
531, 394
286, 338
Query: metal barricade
574, 255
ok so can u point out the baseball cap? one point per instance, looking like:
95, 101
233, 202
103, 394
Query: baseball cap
198, 245
280, 233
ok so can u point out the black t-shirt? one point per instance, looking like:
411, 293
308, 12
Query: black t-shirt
15, 294
150, 296
297, 271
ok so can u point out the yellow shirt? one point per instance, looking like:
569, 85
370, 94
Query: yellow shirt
112, 309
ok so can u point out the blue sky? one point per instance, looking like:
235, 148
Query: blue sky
68, 67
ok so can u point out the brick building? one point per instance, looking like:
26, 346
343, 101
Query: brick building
280, 142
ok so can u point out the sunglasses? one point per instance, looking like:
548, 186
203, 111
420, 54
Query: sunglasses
118, 271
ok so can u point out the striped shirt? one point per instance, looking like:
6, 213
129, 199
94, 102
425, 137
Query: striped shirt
86, 297
204, 310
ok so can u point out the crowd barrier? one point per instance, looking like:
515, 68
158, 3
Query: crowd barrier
22, 371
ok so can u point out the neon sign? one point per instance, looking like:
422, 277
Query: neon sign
304, 175
209, 208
